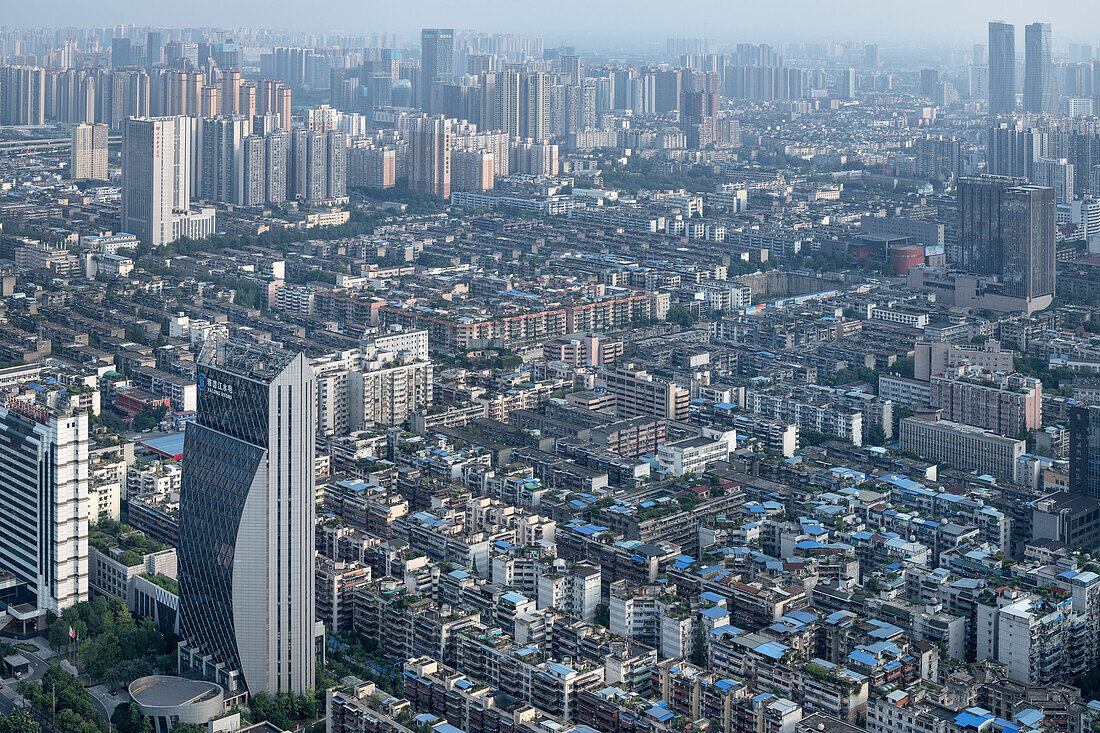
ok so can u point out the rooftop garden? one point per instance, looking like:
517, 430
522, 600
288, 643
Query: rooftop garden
107, 534
169, 584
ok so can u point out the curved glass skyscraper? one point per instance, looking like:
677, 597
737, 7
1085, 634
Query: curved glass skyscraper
1038, 69
246, 521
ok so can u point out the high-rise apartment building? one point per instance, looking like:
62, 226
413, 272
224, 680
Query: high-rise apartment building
120, 52
88, 155
572, 69
699, 118
1014, 147
764, 83
372, 167
1038, 69
977, 82
121, 94
265, 168
210, 101
308, 159
156, 176
846, 84
44, 503
277, 156
246, 103
497, 143
154, 48
220, 146
231, 92
437, 52
246, 521
534, 158
1002, 68
871, 56
254, 173
534, 106
290, 64
430, 143
472, 170
929, 78
319, 163
71, 95
1056, 173
22, 95
272, 96
500, 102
178, 93
579, 108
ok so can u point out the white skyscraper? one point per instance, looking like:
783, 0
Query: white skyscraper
44, 503
156, 176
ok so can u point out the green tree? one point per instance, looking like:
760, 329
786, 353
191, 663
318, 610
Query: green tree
812, 437
58, 692
603, 614
903, 366
681, 316
149, 417
19, 721
699, 646
188, 728
109, 420
126, 718
875, 436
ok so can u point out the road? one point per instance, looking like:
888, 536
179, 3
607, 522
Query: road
104, 701
9, 695
39, 661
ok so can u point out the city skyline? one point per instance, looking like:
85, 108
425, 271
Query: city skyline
642, 369
804, 19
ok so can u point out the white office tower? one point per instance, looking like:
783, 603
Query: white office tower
43, 506
156, 176
246, 521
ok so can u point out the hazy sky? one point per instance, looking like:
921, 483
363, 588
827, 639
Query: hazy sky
645, 20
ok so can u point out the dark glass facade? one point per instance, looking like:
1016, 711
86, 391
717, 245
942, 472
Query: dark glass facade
1030, 252
1002, 68
1084, 451
1007, 229
246, 521
233, 405
212, 494
981, 250
223, 449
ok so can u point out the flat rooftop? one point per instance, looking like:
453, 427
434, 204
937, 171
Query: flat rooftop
166, 691
169, 446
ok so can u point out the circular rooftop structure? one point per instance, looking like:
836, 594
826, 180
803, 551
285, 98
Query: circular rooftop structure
167, 698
